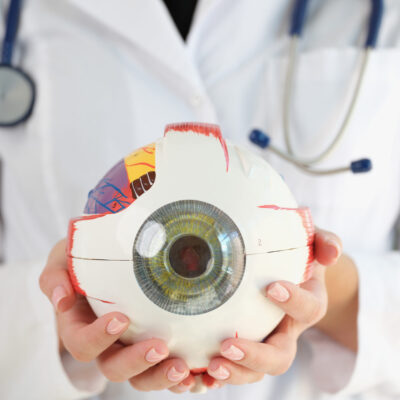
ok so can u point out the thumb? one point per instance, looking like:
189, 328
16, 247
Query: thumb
328, 247
54, 281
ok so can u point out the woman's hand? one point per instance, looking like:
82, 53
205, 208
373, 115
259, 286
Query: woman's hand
340, 322
243, 361
145, 364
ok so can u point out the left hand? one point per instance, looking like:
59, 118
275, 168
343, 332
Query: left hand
243, 361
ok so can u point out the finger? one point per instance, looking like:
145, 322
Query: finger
162, 376
186, 385
54, 280
211, 382
225, 371
305, 304
119, 363
328, 247
86, 336
272, 357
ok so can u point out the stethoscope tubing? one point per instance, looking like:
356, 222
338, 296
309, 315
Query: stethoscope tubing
287, 102
377, 10
295, 32
12, 22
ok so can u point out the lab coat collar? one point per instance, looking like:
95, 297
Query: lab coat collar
149, 26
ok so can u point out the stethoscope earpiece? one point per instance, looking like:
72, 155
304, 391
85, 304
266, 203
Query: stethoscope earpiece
262, 140
361, 166
259, 138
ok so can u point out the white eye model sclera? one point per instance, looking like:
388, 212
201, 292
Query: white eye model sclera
189, 257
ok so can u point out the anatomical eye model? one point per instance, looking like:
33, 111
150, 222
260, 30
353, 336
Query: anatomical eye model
182, 236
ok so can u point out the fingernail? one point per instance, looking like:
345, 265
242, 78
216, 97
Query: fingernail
333, 249
58, 294
278, 292
154, 356
220, 373
233, 353
115, 326
175, 376
185, 385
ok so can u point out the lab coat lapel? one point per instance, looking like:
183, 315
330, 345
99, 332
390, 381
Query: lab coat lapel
148, 25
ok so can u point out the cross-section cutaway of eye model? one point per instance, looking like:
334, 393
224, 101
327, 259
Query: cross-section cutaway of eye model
183, 235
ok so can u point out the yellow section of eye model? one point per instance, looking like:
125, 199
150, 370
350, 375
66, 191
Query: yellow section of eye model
140, 162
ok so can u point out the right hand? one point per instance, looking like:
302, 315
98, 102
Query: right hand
86, 337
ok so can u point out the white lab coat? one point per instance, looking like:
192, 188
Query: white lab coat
111, 74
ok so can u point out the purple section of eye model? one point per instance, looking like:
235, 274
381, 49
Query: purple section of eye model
112, 194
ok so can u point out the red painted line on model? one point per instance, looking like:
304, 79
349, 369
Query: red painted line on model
201, 129
198, 371
70, 243
274, 207
141, 163
146, 150
73, 277
103, 301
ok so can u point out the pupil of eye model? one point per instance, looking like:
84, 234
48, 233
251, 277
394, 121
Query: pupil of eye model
189, 256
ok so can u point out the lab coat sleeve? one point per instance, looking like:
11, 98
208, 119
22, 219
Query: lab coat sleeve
375, 368
30, 362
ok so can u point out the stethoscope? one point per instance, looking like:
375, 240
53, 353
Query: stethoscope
264, 141
17, 89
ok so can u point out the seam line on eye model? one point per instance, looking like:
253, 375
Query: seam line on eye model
101, 259
277, 251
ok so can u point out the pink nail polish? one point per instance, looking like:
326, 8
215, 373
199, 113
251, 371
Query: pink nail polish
115, 326
175, 376
59, 293
220, 373
278, 292
154, 356
233, 353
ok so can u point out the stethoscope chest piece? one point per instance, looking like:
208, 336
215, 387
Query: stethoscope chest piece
17, 95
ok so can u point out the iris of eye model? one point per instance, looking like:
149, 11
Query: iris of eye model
189, 257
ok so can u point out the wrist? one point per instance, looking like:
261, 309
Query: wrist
340, 321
